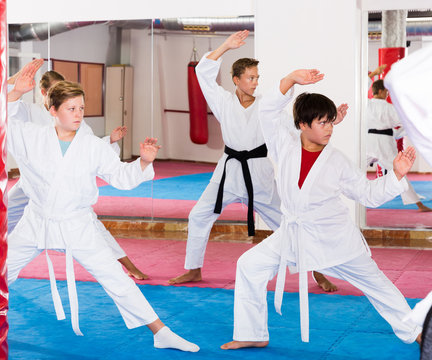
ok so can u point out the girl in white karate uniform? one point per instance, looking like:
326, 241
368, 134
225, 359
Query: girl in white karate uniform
59, 165
316, 231
39, 114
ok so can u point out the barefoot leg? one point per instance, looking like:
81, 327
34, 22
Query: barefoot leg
132, 269
233, 345
189, 276
323, 282
422, 207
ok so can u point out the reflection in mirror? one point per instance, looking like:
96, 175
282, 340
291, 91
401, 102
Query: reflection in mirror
393, 35
145, 87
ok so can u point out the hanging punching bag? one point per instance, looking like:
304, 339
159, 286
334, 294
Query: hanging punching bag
389, 56
4, 293
197, 108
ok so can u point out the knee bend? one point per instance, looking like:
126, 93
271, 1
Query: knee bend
244, 262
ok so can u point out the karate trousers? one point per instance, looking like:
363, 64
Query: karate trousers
202, 218
17, 201
100, 262
257, 266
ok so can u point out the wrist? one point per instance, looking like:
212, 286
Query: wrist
399, 176
14, 95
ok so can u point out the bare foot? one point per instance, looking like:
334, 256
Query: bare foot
422, 207
323, 282
233, 345
132, 270
419, 338
190, 276
138, 275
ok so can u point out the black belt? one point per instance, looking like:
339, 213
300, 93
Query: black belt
388, 132
242, 156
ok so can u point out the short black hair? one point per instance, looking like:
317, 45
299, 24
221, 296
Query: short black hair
377, 86
308, 107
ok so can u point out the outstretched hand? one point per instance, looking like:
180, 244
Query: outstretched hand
306, 76
24, 81
118, 133
301, 77
148, 151
234, 41
403, 162
341, 113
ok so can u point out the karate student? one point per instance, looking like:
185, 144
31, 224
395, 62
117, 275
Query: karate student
381, 146
244, 173
410, 85
59, 164
316, 231
39, 114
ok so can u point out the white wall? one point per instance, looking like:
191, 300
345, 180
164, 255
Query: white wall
315, 34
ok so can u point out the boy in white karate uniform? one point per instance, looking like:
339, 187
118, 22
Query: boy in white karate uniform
316, 231
410, 85
382, 119
244, 173
59, 165
39, 114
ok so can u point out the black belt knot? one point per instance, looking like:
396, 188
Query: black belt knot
242, 156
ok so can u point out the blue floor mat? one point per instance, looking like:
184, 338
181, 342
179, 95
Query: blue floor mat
423, 188
342, 327
186, 187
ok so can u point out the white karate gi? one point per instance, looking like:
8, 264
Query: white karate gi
410, 85
59, 216
240, 131
381, 115
17, 199
316, 233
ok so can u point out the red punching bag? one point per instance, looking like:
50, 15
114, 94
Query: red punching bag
4, 293
197, 108
389, 56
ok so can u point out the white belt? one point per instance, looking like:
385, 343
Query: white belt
295, 224
70, 274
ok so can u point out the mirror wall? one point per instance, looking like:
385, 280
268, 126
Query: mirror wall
157, 53
412, 210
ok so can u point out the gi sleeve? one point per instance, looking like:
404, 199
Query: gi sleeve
410, 85
372, 193
274, 120
207, 71
17, 130
121, 175
114, 145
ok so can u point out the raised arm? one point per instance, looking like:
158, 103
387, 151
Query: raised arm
300, 77
234, 41
24, 81
378, 71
